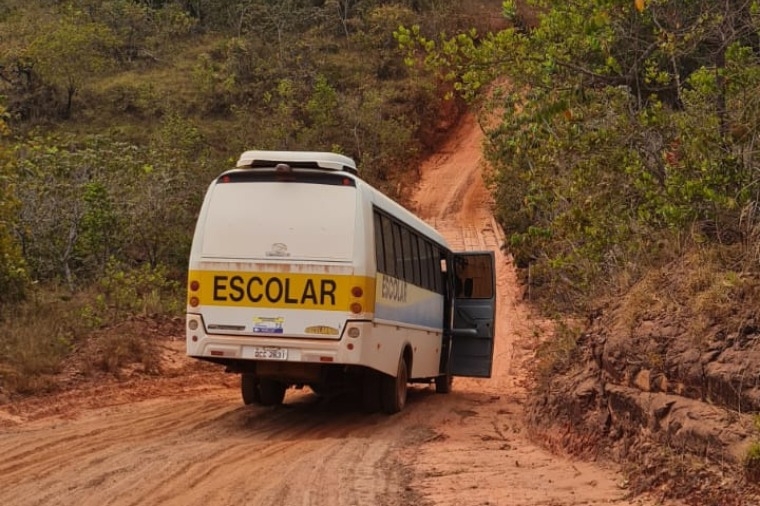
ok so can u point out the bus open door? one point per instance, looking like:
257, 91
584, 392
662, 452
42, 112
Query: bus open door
474, 308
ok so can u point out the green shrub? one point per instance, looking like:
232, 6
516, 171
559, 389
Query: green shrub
144, 290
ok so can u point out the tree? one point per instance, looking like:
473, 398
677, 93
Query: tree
13, 276
69, 54
621, 122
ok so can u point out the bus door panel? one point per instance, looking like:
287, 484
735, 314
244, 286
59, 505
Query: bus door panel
474, 311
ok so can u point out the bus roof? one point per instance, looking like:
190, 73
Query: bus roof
315, 159
332, 161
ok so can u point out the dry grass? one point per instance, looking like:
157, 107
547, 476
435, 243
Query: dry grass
41, 339
34, 340
117, 352
749, 225
556, 354
703, 286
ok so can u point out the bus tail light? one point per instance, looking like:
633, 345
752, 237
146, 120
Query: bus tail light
194, 286
194, 326
362, 297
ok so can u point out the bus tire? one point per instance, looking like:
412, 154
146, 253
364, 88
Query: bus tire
370, 394
393, 389
271, 392
249, 388
443, 383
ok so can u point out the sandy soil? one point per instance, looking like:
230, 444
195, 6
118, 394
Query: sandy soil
187, 439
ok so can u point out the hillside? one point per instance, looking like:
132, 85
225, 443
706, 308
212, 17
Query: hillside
184, 437
620, 183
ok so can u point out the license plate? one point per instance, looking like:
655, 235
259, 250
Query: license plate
265, 353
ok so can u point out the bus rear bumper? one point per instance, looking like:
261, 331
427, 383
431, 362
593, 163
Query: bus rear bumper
376, 346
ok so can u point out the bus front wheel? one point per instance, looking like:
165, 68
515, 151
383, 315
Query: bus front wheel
443, 383
393, 390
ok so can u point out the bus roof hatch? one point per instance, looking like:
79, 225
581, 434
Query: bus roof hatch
297, 159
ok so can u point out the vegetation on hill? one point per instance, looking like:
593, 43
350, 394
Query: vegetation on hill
623, 139
116, 114
626, 134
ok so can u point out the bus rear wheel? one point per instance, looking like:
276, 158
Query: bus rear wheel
249, 387
271, 392
370, 393
393, 390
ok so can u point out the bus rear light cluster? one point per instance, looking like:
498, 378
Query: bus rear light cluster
357, 305
194, 301
193, 325
354, 332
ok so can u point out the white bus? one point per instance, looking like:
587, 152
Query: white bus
301, 273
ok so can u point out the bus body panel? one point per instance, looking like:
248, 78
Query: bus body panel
378, 347
250, 301
280, 301
397, 300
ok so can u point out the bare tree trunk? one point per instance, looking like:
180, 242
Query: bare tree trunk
73, 233
70, 91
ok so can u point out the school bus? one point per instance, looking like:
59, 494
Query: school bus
301, 273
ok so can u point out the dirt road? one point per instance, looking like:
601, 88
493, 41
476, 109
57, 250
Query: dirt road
176, 441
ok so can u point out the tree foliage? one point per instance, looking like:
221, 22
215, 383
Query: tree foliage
87, 203
124, 110
13, 275
622, 122
69, 54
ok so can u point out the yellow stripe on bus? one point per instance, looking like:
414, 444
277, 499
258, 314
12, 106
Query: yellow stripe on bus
281, 290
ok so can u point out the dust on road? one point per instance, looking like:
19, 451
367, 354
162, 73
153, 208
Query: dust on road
192, 443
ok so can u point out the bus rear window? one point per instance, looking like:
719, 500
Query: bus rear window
280, 220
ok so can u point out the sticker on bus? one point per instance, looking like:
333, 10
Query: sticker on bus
266, 325
323, 330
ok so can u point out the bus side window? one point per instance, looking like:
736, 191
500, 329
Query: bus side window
468, 287
416, 260
472, 275
390, 258
408, 253
441, 273
379, 250
423, 260
399, 251
462, 283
